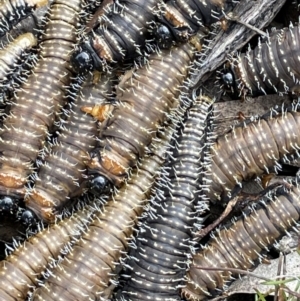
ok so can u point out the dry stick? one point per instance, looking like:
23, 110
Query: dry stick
203, 232
233, 18
236, 200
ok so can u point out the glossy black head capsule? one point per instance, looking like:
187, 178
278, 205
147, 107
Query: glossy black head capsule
8, 204
166, 35
85, 58
228, 80
163, 36
28, 217
99, 185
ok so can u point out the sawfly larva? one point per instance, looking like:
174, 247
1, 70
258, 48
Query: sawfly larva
240, 245
39, 99
272, 66
160, 257
180, 19
119, 30
20, 270
252, 149
144, 96
62, 173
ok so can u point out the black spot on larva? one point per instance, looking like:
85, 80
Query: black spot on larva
239, 245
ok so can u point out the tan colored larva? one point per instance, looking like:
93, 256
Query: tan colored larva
39, 99
21, 270
240, 244
252, 149
89, 270
12, 54
145, 96
62, 174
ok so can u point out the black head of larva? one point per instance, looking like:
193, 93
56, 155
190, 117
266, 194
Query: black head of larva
85, 59
166, 34
228, 80
163, 36
99, 185
8, 204
28, 217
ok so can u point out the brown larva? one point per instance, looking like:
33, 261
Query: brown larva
144, 96
39, 99
180, 19
119, 30
20, 270
272, 67
88, 271
62, 173
12, 54
252, 149
240, 244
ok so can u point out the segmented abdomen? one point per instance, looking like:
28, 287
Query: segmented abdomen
20, 271
39, 99
251, 149
184, 18
118, 33
146, 95
273, 66
94, 258
13, 11
240, 245
62, 174
12, 54
161, 252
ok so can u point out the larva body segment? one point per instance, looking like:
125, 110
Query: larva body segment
62, 174
273, 66
159, 259
239, 245
251, 150
119, 30
180, 19
13, 11
89, 271
20, 271
39, 99
145, 95
11, 55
